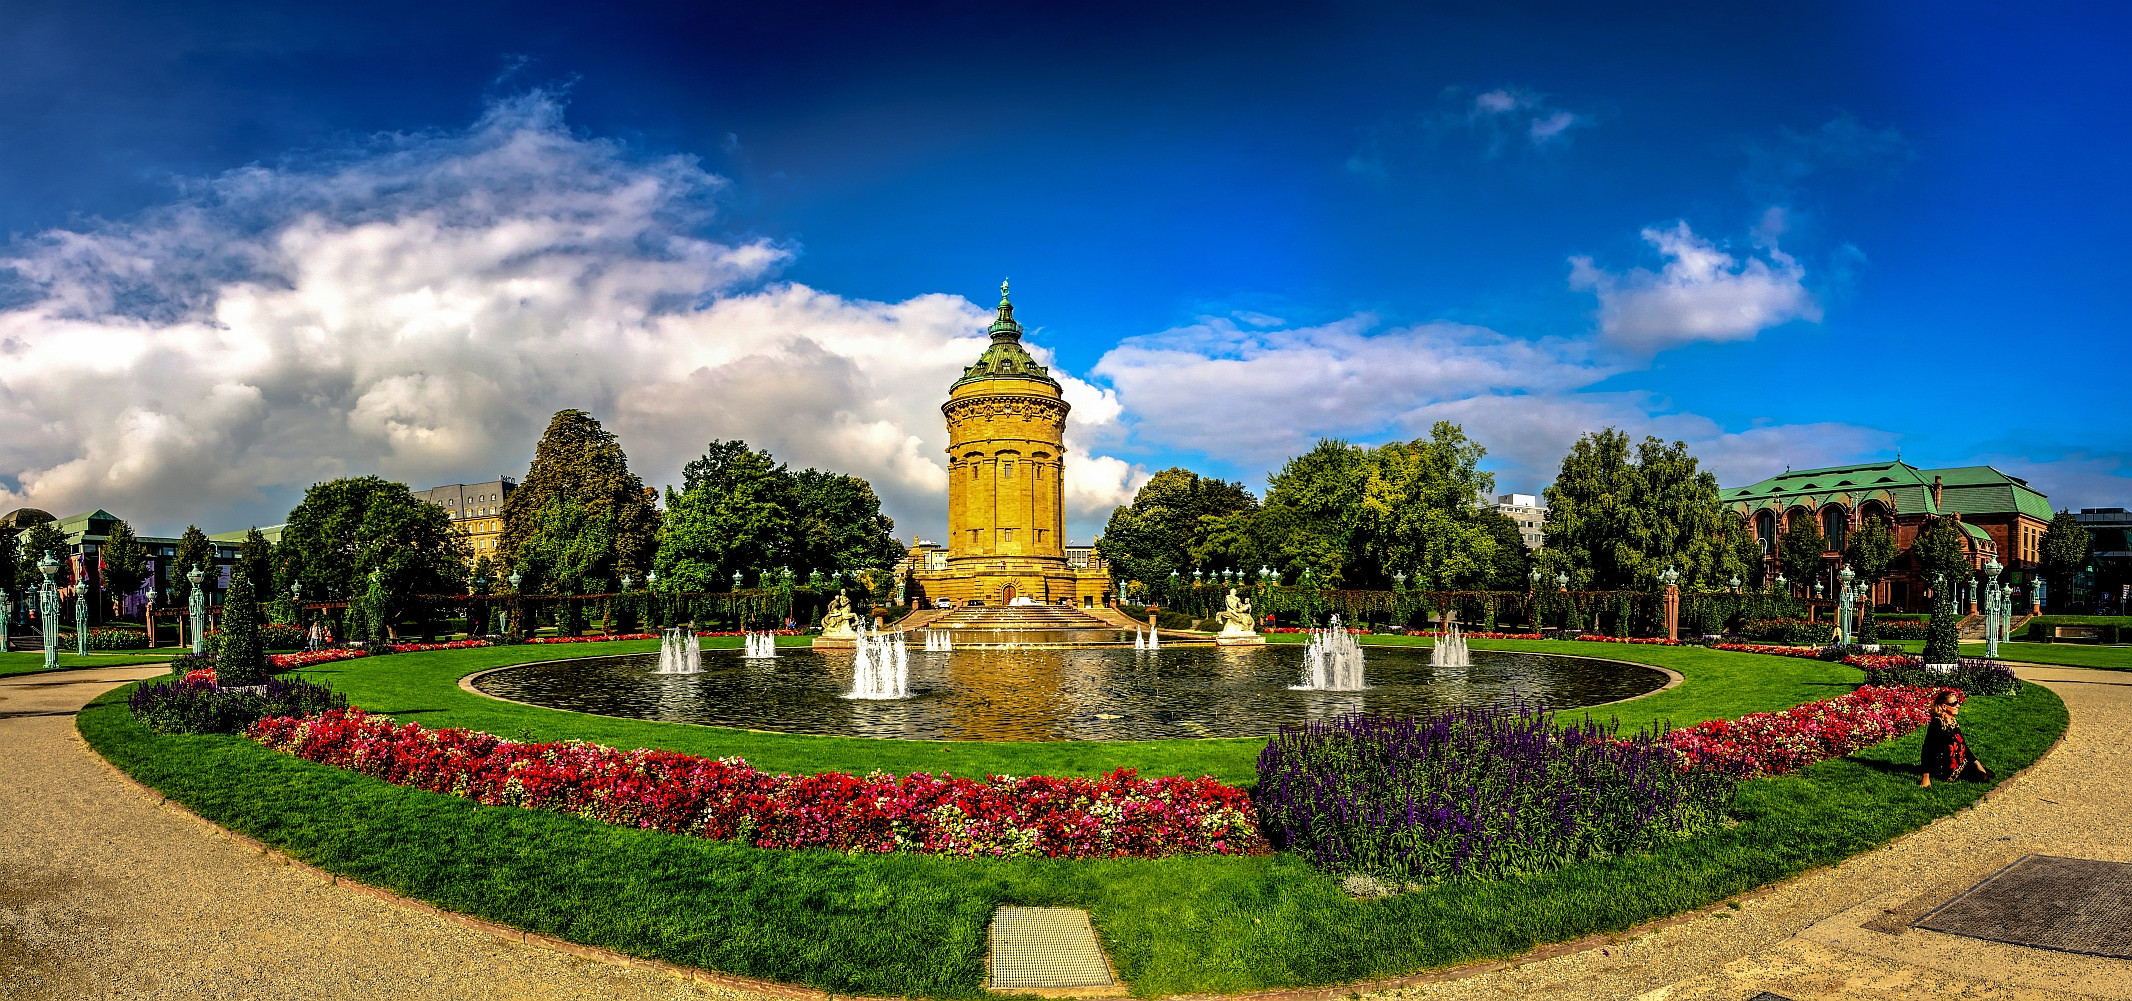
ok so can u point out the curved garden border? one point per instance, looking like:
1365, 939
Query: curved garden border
1164, 919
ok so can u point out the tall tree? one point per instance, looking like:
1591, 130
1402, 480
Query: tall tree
36, 542
839, 526
1869, 555
1618, 519
194, 552
577, 461
1173, 513
125, 561
10, 562
1420, 514
255, 558
1319, 497
1800, 551
2065, 552
734, 514
1512, 563
345, 530
1940, 551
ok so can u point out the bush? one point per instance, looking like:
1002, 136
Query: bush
1476, 792
241, 660
282, 636
117, 638
1166, 619
1790, 632
1901, 629
205, 707
1942, 645
1973, 675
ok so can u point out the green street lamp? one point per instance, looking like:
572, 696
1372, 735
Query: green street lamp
48, 608
1535, 578
1735, 583
627, 580
1562, 581
199, 611
736, 580
1670, 576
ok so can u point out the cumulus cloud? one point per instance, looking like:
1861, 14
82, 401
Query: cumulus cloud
1259, 395
418, 306
1701, 293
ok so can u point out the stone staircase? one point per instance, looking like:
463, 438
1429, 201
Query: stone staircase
1016, 618
1971, 628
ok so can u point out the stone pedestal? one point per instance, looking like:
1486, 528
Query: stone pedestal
1673, 612
1232, 635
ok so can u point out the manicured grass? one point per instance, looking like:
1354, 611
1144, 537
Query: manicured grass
19, 662
2111, 658
907, 924
424, 687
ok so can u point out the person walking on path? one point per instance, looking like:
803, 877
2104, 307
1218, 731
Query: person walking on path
1947, 755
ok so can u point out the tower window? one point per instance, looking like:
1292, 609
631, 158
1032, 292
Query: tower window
1006, 534
973, 536
1006, 469
973, 470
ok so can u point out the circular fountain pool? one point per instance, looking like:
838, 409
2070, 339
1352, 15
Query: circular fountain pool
1087, 694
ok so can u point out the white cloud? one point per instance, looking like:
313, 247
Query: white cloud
1701, 294
1543, 123
418, 307
1256, 396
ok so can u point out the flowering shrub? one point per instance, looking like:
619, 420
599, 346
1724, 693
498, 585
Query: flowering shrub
1118, 815
308, 658
199, 705
1900, 629
1779, 742
1481, 791
1642, 640
1786, 631
1808, 652
1972, 675
453, 645
117, 638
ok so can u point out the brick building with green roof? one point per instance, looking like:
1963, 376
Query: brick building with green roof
2000, 516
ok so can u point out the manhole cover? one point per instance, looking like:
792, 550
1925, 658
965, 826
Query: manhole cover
2068, 904
1045, 947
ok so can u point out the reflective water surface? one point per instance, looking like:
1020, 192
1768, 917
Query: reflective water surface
1098, 694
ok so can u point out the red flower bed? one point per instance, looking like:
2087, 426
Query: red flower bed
1779, 742
653, 636
286, 661
206, 674
453, 645
1118, 815
1640, 640
1303, 629
1808, 652
1882, 661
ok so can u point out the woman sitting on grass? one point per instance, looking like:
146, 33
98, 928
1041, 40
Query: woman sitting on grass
1947, 755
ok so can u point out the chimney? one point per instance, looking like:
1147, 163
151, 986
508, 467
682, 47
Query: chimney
1935, 493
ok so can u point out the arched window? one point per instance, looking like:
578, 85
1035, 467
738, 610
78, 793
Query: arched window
1765, 529
1834, 526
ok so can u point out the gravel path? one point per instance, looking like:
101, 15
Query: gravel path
103, 895
1841, 932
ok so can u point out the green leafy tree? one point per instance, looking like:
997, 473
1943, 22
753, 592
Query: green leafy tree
1512, 565
2065, 552
1420, 514
1942, 642
569, 549
1319, 495
578, 461
1741, 556
241, 659
839, 527
1618, 518
1800, 550
36, 541
1175, 512
1940, 551
125, 560
194, 552
345, 530
1871, 551
734, 513
10, 562
255, 559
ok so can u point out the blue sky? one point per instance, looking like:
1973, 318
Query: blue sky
256, 246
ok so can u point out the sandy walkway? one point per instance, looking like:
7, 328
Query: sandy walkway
103, 895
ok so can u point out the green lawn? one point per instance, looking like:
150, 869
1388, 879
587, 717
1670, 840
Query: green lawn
2115, 658
909, 924
424, 687
31, 663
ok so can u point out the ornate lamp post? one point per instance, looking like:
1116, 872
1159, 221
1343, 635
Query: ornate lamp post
627, 580
1671, 577
1783, 584
736, 580
1735, 583
518, 602
48, 608
198, 607
81, 618
147, 616
1171, 596
1845, 598
1992, 618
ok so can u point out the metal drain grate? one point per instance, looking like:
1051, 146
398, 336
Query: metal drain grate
2067, 904
1045, 947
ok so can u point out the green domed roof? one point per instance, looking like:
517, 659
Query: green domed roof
1006, 358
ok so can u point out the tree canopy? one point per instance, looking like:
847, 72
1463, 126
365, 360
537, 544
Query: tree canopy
194, 551
345, 530
2065, 551
255, 560
34, 543
739, 509
125, 560
10, 562
1939, 549
580, 483
1616, 521
1179, 519
1800, 551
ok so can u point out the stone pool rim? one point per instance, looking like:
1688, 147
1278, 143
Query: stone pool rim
466, 683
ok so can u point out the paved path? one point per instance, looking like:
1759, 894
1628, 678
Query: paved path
102, 895
1821, 936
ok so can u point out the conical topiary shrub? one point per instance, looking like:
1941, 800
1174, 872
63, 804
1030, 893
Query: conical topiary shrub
242, 660
1942, 643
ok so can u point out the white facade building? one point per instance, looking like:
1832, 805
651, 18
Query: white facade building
1528, 512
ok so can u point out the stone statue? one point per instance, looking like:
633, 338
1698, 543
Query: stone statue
838, 619
1235, 618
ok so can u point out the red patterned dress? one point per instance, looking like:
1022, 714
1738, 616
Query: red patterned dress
1946, 753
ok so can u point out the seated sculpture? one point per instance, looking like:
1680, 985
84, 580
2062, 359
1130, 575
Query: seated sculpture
1235, 618
838, 619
